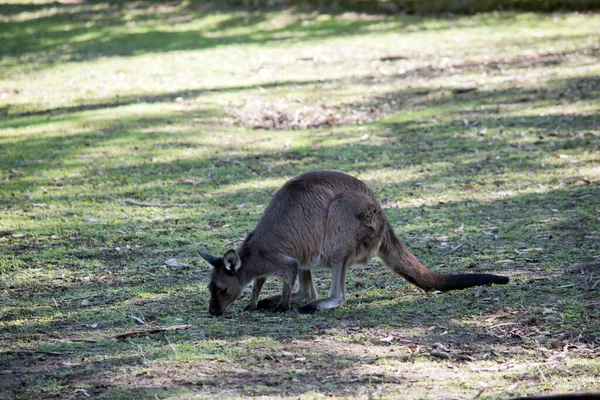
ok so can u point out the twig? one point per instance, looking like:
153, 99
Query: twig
393, 58
251, 168
138, 319
446, 355
151, 330
588, 280
141, 352
542, 374
73, 340
52, 353
115, 199
456, 248
504, 324
464, 89
234, 241
132, 202
170, 344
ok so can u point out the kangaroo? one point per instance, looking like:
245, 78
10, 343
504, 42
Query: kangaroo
319, 219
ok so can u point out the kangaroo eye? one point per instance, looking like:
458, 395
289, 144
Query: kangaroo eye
223, 292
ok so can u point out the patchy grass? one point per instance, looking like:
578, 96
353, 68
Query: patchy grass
215, 109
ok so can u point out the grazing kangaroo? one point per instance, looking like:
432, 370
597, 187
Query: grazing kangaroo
319, 219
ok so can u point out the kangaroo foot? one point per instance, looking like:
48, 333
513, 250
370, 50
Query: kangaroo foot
310, 308
268, 303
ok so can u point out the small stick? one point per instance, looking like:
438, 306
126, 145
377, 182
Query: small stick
52, 353
74, 340
448, 356
233, 241
151, 330
542, 374
170, 344
138, 319
132, 202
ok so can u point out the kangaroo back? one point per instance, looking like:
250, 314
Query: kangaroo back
296, 220
397, 257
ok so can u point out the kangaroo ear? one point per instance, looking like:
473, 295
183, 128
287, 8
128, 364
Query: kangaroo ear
212, 260
232, 261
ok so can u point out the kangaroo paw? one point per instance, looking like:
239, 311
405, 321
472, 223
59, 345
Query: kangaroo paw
268, 303
308, 309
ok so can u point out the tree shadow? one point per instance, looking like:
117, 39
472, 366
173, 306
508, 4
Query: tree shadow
405, 143
141, 99
88, 31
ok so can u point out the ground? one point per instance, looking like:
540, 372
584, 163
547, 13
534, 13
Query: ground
135, 135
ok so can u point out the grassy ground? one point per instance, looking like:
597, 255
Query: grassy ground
480, 136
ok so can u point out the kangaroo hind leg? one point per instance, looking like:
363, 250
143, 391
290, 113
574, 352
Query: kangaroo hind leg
353, 232
336, 296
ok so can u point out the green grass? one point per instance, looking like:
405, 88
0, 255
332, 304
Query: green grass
215, 108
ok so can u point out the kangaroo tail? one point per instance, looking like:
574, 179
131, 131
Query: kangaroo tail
397, 257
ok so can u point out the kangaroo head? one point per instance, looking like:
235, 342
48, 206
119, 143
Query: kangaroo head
225, 284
